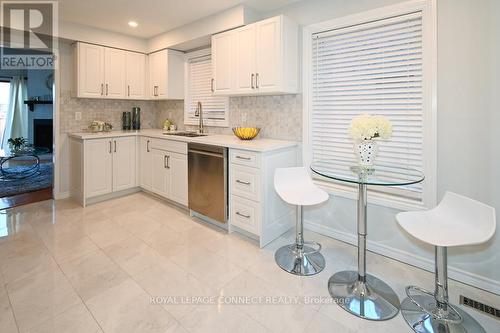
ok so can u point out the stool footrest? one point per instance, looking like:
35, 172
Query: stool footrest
450, 316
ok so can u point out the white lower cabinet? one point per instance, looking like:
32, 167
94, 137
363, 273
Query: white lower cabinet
124, 162
160, 173
254, 206
109, 165
98, 167
145, 164
164, 169
178, 165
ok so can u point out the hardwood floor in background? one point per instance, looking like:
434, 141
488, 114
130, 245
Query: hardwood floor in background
25, 198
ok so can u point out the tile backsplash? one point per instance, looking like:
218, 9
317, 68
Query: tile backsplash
279, 117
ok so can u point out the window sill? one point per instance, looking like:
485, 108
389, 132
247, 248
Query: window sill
375, 198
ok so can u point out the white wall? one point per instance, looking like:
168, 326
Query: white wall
78, 32
202, 29
468, 153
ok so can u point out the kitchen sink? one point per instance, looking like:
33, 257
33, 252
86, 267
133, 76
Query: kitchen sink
188, 134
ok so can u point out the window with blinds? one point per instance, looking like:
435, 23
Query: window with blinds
199, 89
373, 68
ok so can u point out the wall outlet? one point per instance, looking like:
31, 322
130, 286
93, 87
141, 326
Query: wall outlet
244, 117
78, 116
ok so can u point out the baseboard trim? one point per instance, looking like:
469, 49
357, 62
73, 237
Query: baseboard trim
454, 273
62, 195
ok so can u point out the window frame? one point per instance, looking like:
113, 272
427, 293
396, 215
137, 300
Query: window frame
429, 38
206, 122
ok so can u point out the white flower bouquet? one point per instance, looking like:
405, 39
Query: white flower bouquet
367, 127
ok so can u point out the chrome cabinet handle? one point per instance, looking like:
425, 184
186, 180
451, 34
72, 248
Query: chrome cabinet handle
243, 215
243, 158
257, 81
102, 89
212, 85
165, 161
168, 162
110, 147
242, 182
251, 79
106, 89
128, 90
147, 146
115, 146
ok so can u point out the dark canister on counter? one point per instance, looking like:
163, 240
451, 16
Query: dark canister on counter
126, 121
136, 118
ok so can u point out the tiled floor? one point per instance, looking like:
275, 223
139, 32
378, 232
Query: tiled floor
69, 269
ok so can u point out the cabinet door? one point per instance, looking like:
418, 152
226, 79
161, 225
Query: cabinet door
124, 172
114, 73
161, 73
222, 63
135, 75
245, 59
98, 167
153, 75
178, 167
268, 54
145, 164
90, 76
160, 174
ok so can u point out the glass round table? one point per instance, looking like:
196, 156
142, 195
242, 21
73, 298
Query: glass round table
357, 292
21, 172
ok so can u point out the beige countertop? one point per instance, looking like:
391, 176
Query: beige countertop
229, 141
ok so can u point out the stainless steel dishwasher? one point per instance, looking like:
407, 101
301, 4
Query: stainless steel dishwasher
207, 178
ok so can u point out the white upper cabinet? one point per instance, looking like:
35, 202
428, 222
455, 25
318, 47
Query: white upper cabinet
245, 59
222, 63
136, 75
166, 75
114, 73
263, 59
90, 70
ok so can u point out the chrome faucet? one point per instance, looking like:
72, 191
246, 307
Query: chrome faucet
199, 113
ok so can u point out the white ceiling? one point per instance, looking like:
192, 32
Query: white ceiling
153, 16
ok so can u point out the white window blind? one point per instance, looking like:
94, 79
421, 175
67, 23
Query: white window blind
199, 83
374, 68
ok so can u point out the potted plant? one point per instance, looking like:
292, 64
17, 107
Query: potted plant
16, 144
363, 130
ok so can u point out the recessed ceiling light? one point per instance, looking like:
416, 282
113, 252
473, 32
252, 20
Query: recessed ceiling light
133, 24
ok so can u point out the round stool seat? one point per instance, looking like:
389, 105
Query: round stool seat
456, 221
294, 185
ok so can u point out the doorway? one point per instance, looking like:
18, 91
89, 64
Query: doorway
26, 136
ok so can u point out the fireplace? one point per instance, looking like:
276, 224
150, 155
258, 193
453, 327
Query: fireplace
42, 133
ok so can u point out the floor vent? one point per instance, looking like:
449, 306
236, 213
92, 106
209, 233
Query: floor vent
489, 310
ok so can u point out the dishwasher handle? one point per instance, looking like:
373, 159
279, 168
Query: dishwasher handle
202, 152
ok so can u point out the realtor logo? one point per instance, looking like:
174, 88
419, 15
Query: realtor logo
28, 35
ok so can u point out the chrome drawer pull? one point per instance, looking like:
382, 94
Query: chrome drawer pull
242, 182
243, 158
243, 215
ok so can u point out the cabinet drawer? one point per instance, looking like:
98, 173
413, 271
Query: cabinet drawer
169, 145
245, 214
247, 158
245, 182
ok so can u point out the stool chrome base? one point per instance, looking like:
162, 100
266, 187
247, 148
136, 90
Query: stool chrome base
372, 300
304, 262
421, 322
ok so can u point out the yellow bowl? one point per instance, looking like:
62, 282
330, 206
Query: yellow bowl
246, 133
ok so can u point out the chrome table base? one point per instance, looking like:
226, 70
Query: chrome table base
421, 322
371, 299
304, 262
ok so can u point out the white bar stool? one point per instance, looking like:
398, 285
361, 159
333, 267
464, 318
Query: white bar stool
456, 221
294, 185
